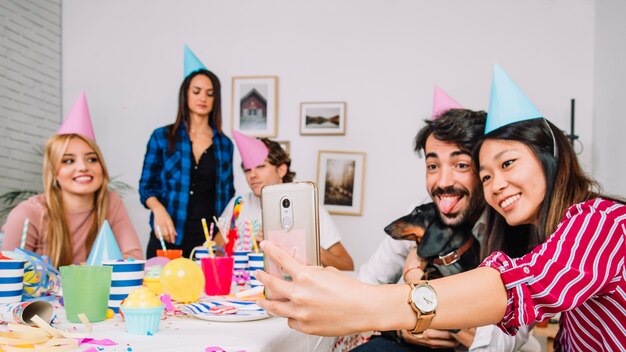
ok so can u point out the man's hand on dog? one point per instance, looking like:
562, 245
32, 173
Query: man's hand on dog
432, 338
442, 338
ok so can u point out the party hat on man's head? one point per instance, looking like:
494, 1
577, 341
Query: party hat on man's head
192, 63
253, 152
507, 103
104, 247
442, 102
78, 120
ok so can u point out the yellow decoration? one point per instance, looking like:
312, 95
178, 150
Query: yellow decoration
154, 284
110, 313
183, 280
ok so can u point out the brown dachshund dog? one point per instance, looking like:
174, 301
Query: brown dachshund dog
445, 250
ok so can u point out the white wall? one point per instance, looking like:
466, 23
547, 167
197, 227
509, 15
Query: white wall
381, 57
609, 157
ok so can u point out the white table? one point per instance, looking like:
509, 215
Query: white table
185, 333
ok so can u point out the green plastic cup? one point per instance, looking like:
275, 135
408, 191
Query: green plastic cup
86, 290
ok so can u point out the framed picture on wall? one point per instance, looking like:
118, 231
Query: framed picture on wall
340, 176
254, 105
323, 118
285, 145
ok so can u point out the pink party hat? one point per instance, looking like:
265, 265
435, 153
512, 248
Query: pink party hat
78, 120
442, 102
253, 152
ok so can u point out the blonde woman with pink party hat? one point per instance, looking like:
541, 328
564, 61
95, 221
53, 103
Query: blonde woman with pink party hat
63, 222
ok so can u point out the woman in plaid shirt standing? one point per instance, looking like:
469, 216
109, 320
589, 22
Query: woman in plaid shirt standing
187, 171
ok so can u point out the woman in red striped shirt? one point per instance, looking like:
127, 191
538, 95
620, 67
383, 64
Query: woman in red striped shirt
540, 198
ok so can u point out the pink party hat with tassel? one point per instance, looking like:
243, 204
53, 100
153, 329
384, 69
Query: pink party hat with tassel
78, 120
253, 152
442, 102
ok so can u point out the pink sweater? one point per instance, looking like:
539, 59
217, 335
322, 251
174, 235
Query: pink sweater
79, 223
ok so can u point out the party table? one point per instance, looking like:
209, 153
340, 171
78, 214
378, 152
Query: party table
186, 333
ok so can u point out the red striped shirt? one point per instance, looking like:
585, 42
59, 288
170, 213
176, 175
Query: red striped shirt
580, 272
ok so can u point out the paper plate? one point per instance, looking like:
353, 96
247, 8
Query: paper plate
247, 311
239, 316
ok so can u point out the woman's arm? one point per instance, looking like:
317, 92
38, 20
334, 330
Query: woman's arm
14, 225
327, 302
150, 185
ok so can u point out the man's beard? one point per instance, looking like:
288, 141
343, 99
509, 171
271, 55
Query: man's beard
475, 204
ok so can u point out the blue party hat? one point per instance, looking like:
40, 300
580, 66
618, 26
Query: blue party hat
104, 247
192, 63
507, 103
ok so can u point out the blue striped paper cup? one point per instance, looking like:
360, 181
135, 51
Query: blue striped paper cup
255, 262
126, 277
11, 280
199, 253
241, 260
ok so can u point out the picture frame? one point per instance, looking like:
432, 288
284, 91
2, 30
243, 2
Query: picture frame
323, 118
285, 145
340, 180
254, 105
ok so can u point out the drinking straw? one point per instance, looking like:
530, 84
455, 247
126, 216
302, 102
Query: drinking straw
161, 239
221, 228
252, 237
206, 235
24, 232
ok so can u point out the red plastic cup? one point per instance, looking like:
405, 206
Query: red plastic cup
170, 253
218, 275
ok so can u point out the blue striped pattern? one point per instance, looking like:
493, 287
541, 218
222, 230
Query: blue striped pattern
124, 283
11, 280
11, 264
125, 278
127, 267
16, 293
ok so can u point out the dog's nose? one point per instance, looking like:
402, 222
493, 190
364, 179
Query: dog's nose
388, 229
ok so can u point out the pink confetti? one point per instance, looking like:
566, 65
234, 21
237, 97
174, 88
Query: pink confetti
91, 349
103, 342
167, 300
214, 349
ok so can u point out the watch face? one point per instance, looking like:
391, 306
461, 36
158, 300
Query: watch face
425, 298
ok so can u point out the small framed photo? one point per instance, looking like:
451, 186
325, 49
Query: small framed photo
323, 118
285, 145
340, 177
255, 105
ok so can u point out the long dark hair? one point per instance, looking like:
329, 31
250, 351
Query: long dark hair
567, 184
215, 116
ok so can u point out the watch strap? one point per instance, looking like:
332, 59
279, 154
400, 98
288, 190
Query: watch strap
423, 319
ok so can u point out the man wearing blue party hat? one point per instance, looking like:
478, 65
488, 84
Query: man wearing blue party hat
187, 172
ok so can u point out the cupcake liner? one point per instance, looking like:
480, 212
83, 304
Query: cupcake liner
142, 321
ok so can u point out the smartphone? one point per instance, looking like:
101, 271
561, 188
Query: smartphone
290, 218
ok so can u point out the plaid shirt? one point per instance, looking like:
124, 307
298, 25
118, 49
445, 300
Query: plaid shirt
167, 176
